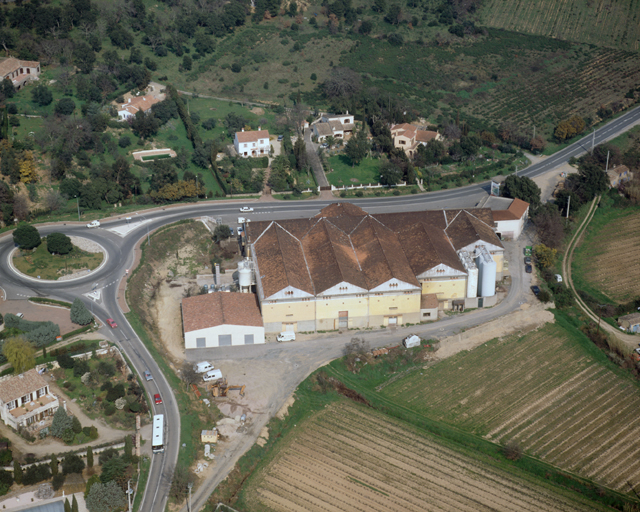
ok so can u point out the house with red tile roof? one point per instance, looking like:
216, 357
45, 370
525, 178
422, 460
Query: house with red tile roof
252, 143
336, 126
345, 268
26, 399
221, 319
20, 72
619, 174
136, 104
408, 137
509, 216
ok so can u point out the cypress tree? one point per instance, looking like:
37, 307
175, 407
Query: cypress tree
74, 504
89, 457
54, 465
67, 506
17, 472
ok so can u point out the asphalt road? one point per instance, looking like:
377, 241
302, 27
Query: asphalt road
120, 257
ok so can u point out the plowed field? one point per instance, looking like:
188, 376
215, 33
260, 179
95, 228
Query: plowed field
350, 458
609, 258
543, 391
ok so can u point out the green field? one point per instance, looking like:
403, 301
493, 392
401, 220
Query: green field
606, 263
602, 22
341, 173
547, 391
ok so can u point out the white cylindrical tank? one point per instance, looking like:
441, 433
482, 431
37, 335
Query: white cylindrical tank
486, 273
244, 278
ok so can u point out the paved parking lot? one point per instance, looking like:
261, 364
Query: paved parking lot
40, 313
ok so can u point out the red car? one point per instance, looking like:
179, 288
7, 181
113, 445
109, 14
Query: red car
112, 323
157, 398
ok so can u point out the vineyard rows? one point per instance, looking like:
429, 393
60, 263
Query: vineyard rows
611, 261
353, 459
579, 85
603, 22
542, 392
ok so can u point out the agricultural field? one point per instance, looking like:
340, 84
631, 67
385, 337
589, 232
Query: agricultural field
348, 457
549, 391
601, 22
606, 261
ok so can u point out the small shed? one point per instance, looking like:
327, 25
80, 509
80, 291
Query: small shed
630, 322
209, 436
428, 307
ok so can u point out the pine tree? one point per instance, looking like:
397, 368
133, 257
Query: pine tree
17, 472
89, 457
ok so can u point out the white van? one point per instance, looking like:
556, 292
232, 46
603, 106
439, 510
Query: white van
203, 367
286, 336
411, 341
212, 375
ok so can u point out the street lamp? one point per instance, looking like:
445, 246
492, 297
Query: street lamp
78, 205
129, 493
190, 485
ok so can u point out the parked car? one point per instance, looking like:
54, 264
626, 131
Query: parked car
20, 315
212, 375
324, 145
94, 224
528, 269
157, 399
245, 209
535, 290
203, 367
112, 323
558, 278
147, 375
527, 260
240, 230
280, 138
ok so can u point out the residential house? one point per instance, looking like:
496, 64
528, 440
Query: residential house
26, 399
630, 322
345, 268
252, 143
509, 215
19, 71
136, 104
408, 137
619, 174
221, 319
336, 126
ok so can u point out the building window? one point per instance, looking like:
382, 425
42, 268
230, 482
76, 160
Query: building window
201, 342
394, 307
379, 294
224, 340
248, 339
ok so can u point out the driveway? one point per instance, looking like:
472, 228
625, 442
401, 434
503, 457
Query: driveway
314, 160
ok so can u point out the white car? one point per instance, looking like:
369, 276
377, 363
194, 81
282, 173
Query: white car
245, 209
558, 278
94, 224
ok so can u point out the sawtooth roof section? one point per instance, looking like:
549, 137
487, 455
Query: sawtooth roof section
282, 262
427, 247
344, 216
398, 221
465, 229
331, 257
380, 254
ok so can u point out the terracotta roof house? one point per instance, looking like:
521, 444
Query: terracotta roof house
221, 319
136, 104
337, 126
509, 216
619, 174
408, 137
345, 268
19, 71
25, 399
252, 144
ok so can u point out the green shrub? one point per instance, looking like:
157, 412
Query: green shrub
58, 481
396, 192
109, 409
26, 237
79, 313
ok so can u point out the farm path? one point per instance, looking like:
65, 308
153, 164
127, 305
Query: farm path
630, 341
273, 371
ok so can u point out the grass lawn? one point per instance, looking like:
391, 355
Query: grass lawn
43, 264
342, 173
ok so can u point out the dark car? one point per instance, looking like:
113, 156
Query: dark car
527, 260
528, 269
535, 290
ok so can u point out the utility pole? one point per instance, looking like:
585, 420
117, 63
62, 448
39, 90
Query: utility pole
197, 195
568, 205
129, 491
516, 171
534, 131
190, 485
607, 168
78, 205
593, 141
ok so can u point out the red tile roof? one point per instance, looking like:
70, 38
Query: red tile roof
252, 136
425, 136
143, 103
220, 308
20, 385
429, 301
516, 210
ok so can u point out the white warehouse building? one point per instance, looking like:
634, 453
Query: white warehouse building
221, 319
